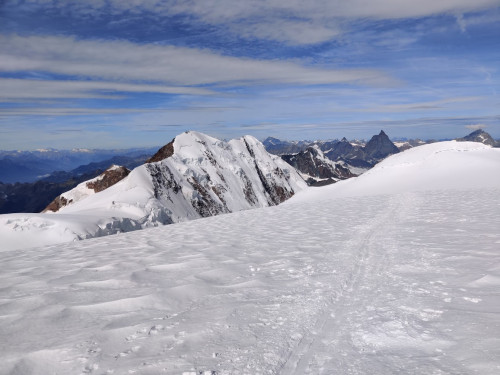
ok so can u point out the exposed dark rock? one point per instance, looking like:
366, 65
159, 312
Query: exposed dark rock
276, 194
248, 189
380, 146
480, 136
108, 178
313, 163
204, 203
163, 153
163, 180
57, 204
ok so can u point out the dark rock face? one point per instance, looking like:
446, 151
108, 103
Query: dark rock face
203, 203
57, 204
480, 136
163, 153
163, 181
275, 194
108, 178
340, 149
380, 146
353, 155
313, 163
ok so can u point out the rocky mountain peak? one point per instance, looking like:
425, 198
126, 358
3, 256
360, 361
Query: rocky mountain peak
380, 146
479, 136
111, 176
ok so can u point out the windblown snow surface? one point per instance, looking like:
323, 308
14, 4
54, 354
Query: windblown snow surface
397, 276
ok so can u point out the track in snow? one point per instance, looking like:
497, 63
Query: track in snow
327, 340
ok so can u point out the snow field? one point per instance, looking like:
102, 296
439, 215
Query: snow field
340, 279
404, 283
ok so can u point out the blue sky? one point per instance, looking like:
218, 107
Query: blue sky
127, 73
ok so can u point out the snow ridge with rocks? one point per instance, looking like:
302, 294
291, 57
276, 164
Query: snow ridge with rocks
201, 176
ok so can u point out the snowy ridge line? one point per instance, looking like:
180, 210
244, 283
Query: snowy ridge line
192, 177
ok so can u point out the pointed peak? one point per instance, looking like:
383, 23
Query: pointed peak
382, 133
477, 132
344, 140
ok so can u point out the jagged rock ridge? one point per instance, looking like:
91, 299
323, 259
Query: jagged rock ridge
349, 159
108, 178
316, 169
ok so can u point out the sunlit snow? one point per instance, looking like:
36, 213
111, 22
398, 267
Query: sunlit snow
367, 276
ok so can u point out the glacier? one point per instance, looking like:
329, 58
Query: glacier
396, 271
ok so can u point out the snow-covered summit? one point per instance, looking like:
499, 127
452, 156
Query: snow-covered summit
194, 176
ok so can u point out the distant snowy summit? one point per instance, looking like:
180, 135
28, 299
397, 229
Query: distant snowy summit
193, 176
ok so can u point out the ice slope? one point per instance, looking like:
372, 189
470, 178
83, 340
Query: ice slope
406, 282
203, 177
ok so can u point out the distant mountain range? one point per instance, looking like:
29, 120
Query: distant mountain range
322, 163
317, 162
35, 196
325, 162
30, 166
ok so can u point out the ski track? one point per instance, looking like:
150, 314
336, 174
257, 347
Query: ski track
401, 284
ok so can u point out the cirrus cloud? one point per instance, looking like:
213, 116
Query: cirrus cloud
178, 66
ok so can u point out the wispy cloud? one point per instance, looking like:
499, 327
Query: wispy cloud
291, 21
475, 126
126, 61
421, 106
29, 89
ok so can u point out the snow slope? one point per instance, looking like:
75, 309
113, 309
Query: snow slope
436, 166
203, 177
407, 282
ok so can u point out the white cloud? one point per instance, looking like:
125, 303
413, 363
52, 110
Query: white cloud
422, 106
475, 126
175, 66
19, 89
291, 21
287, 31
